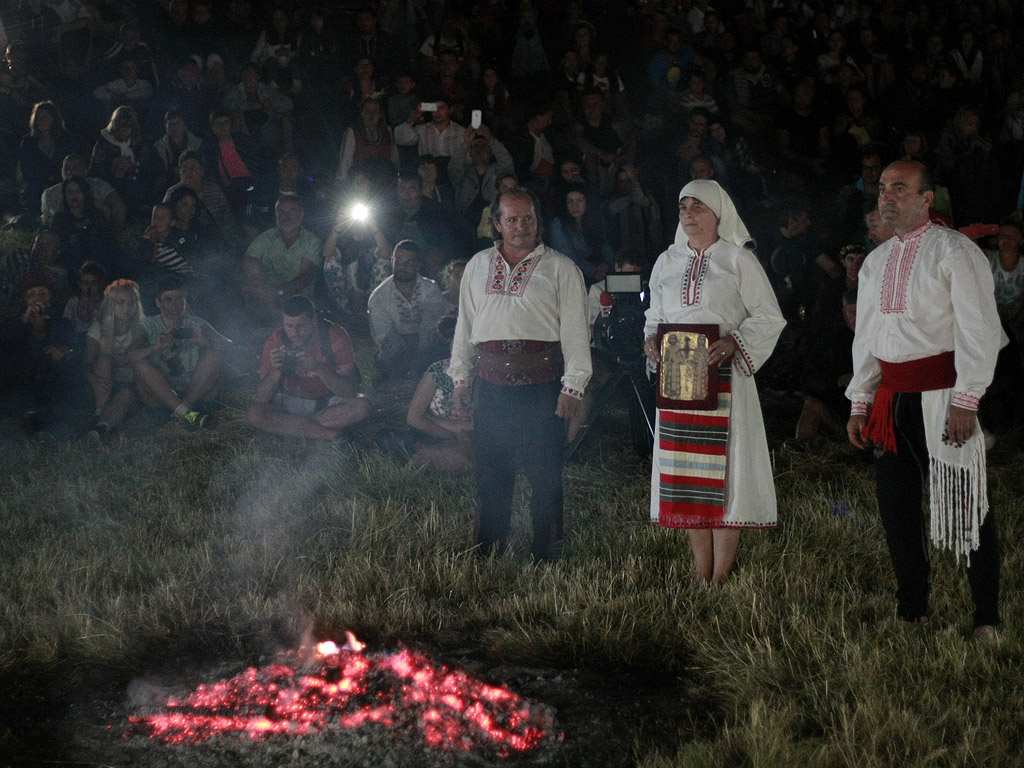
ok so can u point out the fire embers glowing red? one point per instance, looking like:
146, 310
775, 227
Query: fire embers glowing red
343, 688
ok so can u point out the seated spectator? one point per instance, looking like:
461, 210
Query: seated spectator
83, 229
439, 235
178, 357
877, 230
43, 150
632, 216
492, 98
163, 250
197, 236
665, 71
789, 253
38, 378
1008, 271
450, 282
309, 383
276, 47
473, 171
361, 86
403, 312
103, 194
80, 310
130, 47
432, 188
122, 157
43, 259
111, 376
262, 112
580, 235
604, 78
168, 149
439, 137
128, 89
827, 371
214, 216
403, 100
484, 232
606, 144
443, 440
696, 94
529, 69
966, 166
187, 93
452, 84
234, 159
287, 178
531, 150
281, 262
389, 51
369, 137
755, 93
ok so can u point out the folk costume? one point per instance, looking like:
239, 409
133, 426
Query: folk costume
712, 469
928, 335
522, 331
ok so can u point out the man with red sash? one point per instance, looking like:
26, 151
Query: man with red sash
925, 351
523, 333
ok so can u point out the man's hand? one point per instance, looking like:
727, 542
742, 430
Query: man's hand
567, 406
855, 430
462, 401
652, 351
961, 425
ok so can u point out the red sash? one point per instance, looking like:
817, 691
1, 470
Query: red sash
924, 375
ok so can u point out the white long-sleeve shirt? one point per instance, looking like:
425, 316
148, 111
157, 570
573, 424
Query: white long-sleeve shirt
542, 298
921, 295
429, 140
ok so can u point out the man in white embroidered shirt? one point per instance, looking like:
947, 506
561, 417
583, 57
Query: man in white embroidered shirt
925, 351
523, 317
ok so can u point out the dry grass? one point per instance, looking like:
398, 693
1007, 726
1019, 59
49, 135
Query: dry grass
233, 544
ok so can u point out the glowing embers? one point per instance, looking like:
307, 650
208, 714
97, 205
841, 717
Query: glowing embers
342, 688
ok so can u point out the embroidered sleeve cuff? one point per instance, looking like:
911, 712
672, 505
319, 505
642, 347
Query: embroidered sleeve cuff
748, 361
965, 400
572, 393
860, 408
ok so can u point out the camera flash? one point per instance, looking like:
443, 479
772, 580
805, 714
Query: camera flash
360, 212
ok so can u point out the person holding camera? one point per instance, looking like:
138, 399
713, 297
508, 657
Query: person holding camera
178, 357
309, 383
38, 374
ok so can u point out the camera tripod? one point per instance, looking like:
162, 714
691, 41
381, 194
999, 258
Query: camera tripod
640, 394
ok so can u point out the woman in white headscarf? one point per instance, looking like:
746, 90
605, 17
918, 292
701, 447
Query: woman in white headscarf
711, 472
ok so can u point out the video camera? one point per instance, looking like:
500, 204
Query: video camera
620, 328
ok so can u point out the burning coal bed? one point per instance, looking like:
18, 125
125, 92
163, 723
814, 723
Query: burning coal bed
317, 694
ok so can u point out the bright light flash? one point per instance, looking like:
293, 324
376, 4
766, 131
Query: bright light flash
360, 212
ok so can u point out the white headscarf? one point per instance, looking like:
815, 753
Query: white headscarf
730, 226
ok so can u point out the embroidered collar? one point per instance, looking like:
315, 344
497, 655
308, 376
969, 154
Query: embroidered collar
915, 234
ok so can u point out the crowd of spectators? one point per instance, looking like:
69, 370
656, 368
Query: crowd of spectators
225, 145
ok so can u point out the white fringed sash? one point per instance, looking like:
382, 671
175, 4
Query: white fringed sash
957, 484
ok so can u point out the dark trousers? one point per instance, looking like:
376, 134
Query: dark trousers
516, 428
901, 478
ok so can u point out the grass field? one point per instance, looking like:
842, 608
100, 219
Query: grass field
170, 547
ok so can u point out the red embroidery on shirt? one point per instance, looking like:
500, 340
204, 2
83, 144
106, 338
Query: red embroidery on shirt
499, 281
693, 280
902, 254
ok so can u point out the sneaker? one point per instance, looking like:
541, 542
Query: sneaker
195, 419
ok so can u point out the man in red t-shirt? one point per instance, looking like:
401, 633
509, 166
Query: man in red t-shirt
309, 384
